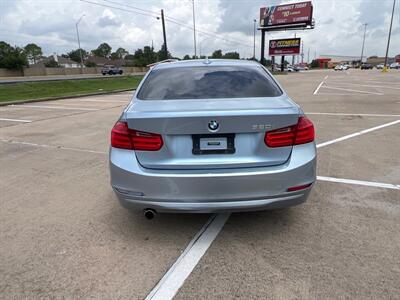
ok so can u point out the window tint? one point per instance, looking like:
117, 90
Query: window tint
208, 82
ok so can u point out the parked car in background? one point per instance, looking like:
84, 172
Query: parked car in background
340, 68
208, 136
380, 66
111, 70
300, 68
395, 65
291, 69
366, 66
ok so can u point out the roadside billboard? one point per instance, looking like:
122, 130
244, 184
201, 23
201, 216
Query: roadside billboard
296, 15
284, 47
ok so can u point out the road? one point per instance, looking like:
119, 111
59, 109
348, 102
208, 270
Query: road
9, 80
64, 235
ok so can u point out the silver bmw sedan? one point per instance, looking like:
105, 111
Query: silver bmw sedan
211, 136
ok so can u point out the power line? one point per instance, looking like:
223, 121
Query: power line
167, 18
122, 9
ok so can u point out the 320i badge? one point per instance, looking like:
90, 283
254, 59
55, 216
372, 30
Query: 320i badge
210, 136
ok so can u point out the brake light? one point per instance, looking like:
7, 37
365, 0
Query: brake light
301, 133
125, 138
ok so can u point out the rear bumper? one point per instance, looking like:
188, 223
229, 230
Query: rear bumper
212, 190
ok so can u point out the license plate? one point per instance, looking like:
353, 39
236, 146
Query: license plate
213, 144
218, 143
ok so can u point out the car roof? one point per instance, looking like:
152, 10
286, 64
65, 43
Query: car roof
205, 63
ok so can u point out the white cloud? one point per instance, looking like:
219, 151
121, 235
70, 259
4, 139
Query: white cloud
51, 24
108, 19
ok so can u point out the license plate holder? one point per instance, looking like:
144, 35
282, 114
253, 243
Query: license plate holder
213, 143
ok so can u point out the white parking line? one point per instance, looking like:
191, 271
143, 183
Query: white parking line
105, 101
360, 182
366, 85
15, 120
51, 107
51, 146
318, 87
349, 114
349, 136
171, 282
351, 90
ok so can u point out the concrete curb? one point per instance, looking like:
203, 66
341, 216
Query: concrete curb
63, 97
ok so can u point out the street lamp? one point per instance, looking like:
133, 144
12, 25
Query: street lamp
362, 48
79, 43
201, 43
254, 40
194, 31
388, 42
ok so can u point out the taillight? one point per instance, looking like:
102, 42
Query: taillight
125, 138
301, 133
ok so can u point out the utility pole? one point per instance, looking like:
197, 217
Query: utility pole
308, 55
164, 35
390, 32
293, 55
254, 40
194, 31
262, 58
362, 48
302, 52
79, 42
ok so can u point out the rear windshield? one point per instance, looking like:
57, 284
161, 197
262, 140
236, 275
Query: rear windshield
208, 82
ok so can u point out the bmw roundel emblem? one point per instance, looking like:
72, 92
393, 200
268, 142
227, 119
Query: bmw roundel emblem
213, 125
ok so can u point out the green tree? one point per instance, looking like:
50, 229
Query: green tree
75, 55
90, 64
51, 64
231, 55
33, 52
162, 54
103, 50
314, 64
186, 57
119, 54
12, 57
217, 54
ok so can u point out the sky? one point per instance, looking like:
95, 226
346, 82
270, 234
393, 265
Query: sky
221, 24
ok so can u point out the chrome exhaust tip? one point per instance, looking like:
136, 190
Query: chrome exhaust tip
149, 213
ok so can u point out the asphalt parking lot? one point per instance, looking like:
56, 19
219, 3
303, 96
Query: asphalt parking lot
64, 235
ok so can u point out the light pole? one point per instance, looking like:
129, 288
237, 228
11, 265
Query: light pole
194, 31
362, 48
79, 42
201, 43
390, 32
254, 40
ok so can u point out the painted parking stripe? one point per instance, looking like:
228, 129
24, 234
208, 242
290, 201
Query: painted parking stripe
171, 282
105, 101
51, 107
15, 120
360, 182
351, 114
318, 87
51, 146
349, 136
366, 85
351, 90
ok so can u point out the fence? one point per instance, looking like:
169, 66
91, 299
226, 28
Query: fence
62, 71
